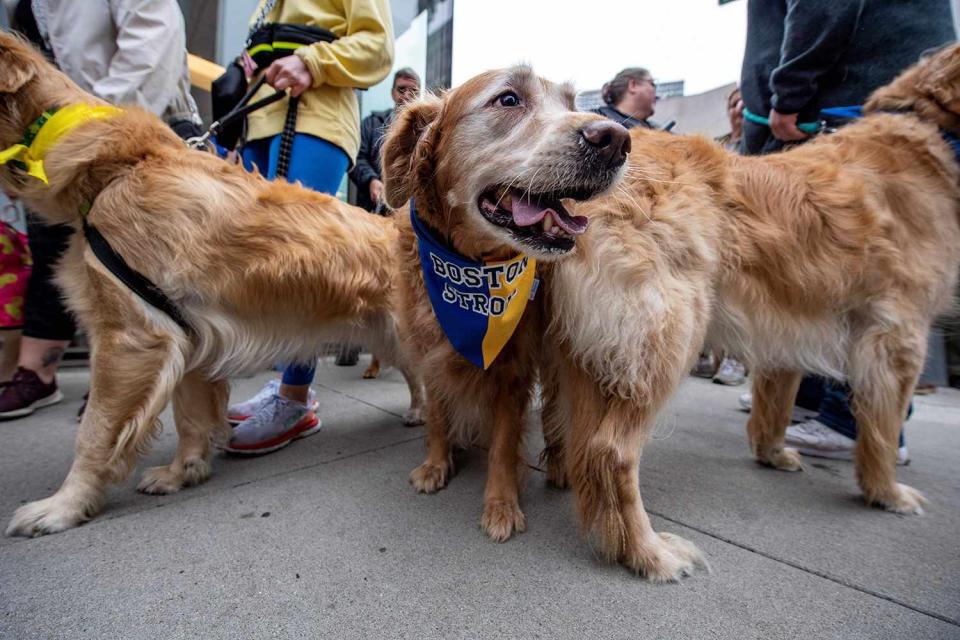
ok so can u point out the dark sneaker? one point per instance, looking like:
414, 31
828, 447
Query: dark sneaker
348, 356
25, 393
706, 366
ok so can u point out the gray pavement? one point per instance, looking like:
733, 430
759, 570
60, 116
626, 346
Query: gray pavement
326, 538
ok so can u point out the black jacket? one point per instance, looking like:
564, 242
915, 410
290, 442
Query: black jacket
367, 168
804, 55
621, 118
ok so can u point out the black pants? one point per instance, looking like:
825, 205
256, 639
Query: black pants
44, 314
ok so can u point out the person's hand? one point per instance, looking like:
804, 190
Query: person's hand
249, 66
784, 126
376, 191
289, 73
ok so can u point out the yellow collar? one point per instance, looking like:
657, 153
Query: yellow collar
46, 131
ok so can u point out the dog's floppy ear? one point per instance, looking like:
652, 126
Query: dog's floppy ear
16, 69
408, 148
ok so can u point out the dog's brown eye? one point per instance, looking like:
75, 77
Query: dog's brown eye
509, 99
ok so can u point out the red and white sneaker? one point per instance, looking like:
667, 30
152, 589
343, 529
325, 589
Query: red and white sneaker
277, 423
240, 411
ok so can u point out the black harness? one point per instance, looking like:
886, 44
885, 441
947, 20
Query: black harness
133, 279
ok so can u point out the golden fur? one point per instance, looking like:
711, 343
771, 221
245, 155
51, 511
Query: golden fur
443, 153
263, 271
833, 257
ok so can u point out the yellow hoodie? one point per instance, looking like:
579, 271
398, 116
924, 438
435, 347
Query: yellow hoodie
360, 58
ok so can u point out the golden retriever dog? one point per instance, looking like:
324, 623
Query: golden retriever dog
487, 167
261, 271
832, 257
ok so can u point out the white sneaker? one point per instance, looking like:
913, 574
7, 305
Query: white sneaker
797, 414
278, 422
813, 438
731, 372
239, 412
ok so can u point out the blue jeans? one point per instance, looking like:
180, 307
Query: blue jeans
318, 165
832, 401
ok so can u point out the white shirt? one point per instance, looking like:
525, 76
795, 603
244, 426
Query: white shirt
124, 51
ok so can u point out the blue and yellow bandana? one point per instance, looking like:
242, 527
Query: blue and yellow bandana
478, 304
46, 131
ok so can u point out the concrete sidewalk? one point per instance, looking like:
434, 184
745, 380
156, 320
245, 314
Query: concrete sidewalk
327, 539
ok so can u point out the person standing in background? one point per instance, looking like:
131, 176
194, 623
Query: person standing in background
366, 175
323, 76
127, 52
630, 98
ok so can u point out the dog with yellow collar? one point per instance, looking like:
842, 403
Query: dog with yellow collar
254, 272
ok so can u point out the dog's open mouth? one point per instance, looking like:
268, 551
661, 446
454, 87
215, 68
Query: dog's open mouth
538, 220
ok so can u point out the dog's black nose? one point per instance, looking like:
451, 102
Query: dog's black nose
609, 139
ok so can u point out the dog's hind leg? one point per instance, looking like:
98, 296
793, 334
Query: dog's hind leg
373, 371
774, 391
381, 336
555, 418
133, 373
200, 413
884, 366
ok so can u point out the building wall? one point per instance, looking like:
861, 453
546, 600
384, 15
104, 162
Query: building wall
703, 113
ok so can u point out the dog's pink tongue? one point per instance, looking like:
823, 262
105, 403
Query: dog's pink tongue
525, 213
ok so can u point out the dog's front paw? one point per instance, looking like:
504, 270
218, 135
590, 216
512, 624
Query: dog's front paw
430, 478
780, 457
666, 558
170, 479
50, 515
501, 518
413, 417
900, 498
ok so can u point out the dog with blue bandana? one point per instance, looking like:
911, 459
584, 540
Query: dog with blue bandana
488, 179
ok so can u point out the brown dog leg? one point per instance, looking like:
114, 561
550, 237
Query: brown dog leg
555, 418
373, 370
603, 456
200, 412
133, 374
773, 394
501, 498
381, 335
884, 368
436, 470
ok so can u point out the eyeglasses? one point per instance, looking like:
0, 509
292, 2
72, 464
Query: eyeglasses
405, 90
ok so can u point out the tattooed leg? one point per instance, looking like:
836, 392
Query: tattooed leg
42, 356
